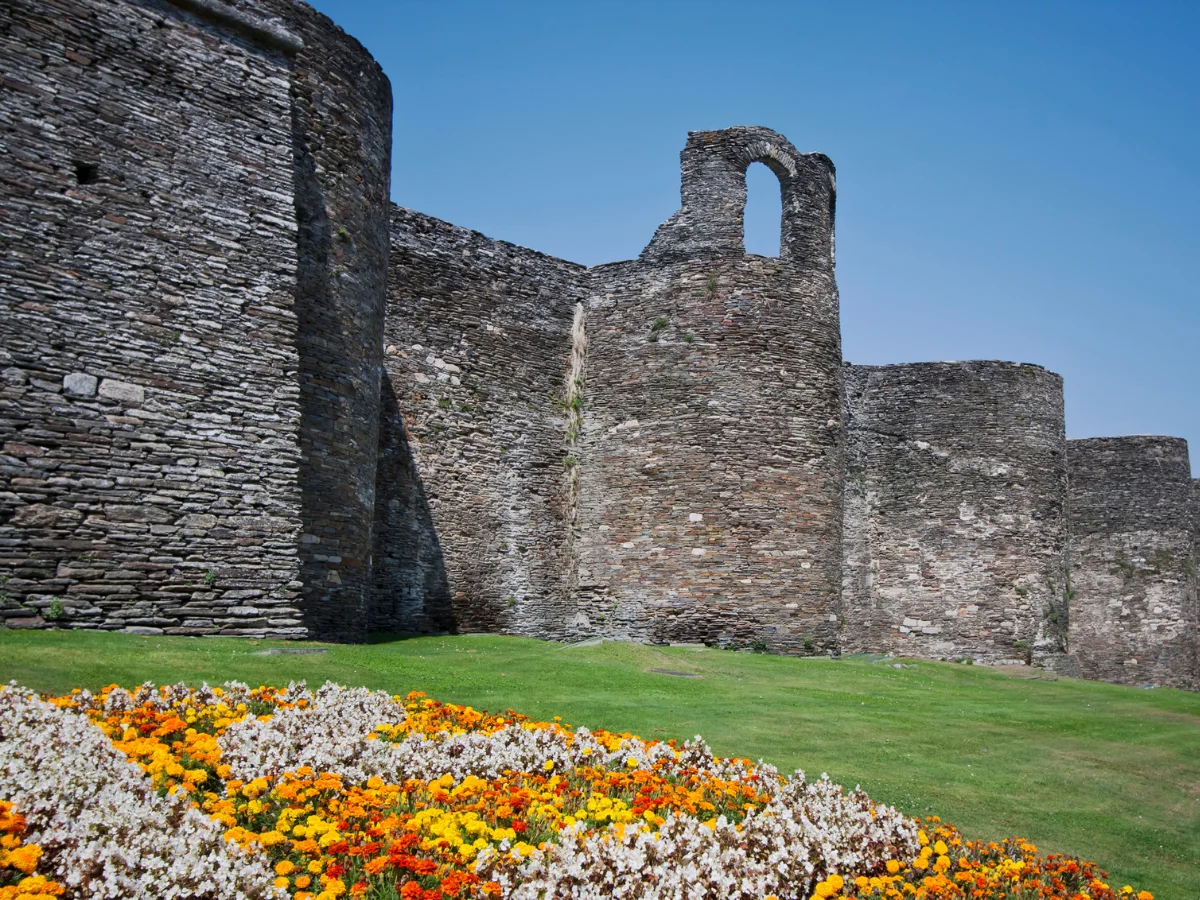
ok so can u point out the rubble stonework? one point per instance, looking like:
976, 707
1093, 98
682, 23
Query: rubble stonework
472, 489
1133, 576
956, 490
241, 393
710, 465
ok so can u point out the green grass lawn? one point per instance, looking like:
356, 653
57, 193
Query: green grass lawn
1106, 772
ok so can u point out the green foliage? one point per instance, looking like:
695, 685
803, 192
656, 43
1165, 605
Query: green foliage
570, 461
808, 643
1161, 559
1124, 566
759, 646
689, 338
444, 403
711, 283
210, 577
657, 326
55, 610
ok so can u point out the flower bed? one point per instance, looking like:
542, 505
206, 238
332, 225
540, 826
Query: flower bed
351, 793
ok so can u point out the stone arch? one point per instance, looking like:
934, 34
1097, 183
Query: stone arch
713, 193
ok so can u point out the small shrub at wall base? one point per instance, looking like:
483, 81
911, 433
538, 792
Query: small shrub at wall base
55, 610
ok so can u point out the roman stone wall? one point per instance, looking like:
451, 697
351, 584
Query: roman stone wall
475, 483
709, 462
241, 393
1133, 563
153, 425
955, 530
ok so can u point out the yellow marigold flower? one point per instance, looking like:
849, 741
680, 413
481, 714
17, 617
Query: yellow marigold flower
922, 837
893, 866
285, 867
549, 765
25, 858
940, 848
316, 866
631, 763
281, 882
829, 887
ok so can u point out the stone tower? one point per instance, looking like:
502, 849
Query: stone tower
193, 199
710, 458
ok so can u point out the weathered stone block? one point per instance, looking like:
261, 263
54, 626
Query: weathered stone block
79, 384
123, 391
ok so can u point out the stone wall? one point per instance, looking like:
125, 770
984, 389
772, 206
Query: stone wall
242, 394
153, 425
1133, 564
956, 527
709, 463
474, 479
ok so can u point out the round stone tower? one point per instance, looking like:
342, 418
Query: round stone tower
709, 463
1133, 565
955, 530
194, 198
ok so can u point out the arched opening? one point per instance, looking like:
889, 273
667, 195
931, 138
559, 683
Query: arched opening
763, 218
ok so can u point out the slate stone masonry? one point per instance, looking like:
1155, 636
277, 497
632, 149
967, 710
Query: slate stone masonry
1134, 607
162, 291
241, 393
471, 513
956, 490
711, 457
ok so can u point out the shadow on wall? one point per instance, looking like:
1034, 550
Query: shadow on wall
411, 591
322, 587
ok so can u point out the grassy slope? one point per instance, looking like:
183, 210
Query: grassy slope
1110, 773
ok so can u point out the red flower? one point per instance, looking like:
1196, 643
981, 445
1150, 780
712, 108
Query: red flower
333, 870
518, 826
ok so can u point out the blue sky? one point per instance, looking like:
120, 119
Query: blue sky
1015, 180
